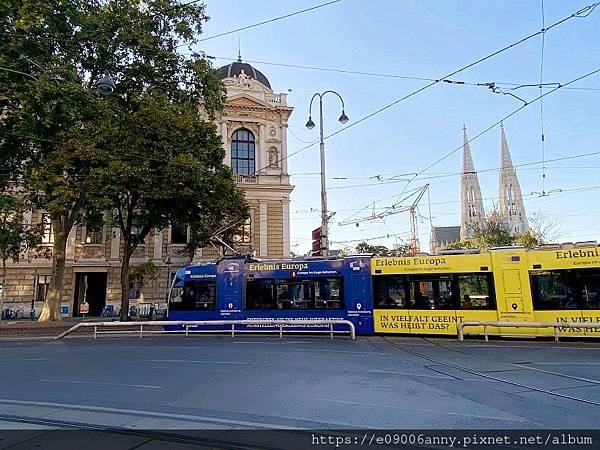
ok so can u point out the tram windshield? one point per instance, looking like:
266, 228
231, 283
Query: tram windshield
193, 296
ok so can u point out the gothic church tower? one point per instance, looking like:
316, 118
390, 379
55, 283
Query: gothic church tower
472, 211
511, 200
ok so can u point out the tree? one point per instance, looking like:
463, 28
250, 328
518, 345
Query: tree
143, 273
494, 232
15, 236
170, 171
52, 53
381, 250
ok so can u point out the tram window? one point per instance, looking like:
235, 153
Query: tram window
437, 292
390, 291
566, 289
193, 296
476, 291
296, 294
554, 290
588, 282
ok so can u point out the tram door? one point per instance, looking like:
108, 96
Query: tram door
512, 288
360, 310
231, 291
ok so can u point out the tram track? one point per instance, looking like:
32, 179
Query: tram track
519, 366
487, 375
148, 435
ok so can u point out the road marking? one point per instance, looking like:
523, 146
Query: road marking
411, 374
347, 402
140, 386
272, 343
337, 351
138, 412
152, 347
196, 361
564, 364
564, 375
33, 359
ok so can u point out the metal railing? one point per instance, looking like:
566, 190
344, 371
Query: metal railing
555, 325
280, 324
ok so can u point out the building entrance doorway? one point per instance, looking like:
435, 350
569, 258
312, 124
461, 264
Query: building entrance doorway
91, 288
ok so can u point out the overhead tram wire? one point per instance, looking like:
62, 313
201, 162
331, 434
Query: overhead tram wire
491, 127
264, 22
587, 10
390, 75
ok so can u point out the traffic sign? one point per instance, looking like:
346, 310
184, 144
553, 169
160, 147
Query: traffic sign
316, 243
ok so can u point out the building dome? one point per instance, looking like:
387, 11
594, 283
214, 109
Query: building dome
235, 68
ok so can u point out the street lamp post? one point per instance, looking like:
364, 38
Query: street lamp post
310, 125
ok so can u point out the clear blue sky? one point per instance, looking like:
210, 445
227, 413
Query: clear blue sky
426, 38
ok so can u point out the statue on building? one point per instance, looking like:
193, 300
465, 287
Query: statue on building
243, 80
273, 157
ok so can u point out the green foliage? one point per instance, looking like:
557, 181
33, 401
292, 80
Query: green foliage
381, 250
494, 232
15, 235
141, 149
141, 274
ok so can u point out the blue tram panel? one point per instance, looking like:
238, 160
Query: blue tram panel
327, 289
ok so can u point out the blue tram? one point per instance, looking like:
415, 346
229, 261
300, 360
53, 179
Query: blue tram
236, 289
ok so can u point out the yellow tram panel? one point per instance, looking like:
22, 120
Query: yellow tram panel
413, 265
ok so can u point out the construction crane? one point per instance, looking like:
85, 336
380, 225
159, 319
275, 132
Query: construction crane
414, 244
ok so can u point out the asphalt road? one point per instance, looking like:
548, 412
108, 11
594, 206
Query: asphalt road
220, 384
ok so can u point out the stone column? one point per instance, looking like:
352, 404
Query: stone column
283, 130
158, 241
264, 235
262, 151
225, 138
115, 243
286, 227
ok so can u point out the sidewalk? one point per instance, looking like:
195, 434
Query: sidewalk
31, 328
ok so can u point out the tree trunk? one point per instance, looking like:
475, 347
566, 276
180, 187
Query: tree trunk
51, 309
3, 287
124, 315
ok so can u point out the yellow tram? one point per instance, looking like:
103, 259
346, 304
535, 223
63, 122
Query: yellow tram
431, 294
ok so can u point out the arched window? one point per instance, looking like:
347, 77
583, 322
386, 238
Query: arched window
242, 152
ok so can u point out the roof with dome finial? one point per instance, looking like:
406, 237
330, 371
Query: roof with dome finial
235, 68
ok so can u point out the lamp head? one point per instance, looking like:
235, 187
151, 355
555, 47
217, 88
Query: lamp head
105, 85
343, 118
310, 124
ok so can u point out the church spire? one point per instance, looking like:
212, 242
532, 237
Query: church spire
472, 211
512, 209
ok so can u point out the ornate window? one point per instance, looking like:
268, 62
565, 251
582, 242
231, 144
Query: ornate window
179, 234
243, 234
242, 152
47, 231
94, 236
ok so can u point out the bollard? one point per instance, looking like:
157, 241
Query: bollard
232, 330
187, 329
95, 331
331, 328
141, 330
555, 334
280, 331
485, 332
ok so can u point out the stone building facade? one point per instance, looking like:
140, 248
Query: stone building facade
253, 127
